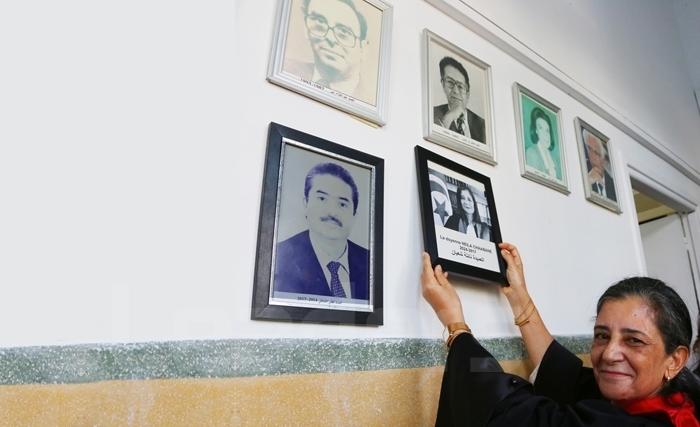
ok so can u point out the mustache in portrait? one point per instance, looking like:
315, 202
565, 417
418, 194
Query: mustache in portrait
333, 219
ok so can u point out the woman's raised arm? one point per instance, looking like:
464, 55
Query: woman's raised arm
525, 315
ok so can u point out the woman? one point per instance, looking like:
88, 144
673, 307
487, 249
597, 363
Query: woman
641, 343
538, 155
466, 218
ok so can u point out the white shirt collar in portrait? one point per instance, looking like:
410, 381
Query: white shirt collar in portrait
600, 185
347, 87
343, 271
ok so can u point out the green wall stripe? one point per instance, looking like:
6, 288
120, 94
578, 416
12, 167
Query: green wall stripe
235, 358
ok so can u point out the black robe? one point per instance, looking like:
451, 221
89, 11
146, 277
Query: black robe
476, 392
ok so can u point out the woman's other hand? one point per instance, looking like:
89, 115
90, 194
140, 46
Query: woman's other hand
440, 293
516, 293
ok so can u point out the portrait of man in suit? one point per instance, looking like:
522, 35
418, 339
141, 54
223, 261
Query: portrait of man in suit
601, 181
454, 115
336, 33
322, 260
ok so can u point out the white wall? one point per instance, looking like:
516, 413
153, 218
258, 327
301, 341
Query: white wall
132, 148
688, 16
627, 52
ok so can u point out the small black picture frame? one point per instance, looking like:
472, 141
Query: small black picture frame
319, 254
460, 223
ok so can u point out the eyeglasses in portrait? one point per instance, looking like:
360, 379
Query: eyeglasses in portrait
334, 51
596, 166
457, 107
460, 224
540, 140
319, 245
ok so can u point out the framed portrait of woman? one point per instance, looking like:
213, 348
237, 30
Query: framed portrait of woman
596, 166
460, 224
540, 140
457, 107
336, 52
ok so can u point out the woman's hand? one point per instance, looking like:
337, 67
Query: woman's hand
516, 293
535, 335
440, 294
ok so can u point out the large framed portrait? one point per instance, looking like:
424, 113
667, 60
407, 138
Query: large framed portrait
457, 108
460, 224
336, 52
319, 255
540, 140
596, 166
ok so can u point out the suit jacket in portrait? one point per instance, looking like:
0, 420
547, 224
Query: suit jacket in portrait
483, 231
609, 187
297, 269
476, 123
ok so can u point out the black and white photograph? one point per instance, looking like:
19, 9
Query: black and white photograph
457, 107
460, 225
322, 261
596, 166
334, 51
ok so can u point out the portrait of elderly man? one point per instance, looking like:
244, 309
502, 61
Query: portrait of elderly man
336, 31
322, 260
597, 161
455, 115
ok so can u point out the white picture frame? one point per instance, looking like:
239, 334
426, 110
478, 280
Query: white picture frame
548, 168
475, 136
589, 138
353, 78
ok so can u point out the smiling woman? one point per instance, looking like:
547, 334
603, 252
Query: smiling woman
628, 352
641, 344
641, 341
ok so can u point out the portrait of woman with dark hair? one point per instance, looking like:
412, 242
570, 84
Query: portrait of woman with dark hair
466, 218
541, 147
539, 154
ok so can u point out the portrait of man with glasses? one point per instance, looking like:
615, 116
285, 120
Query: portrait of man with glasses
454, 115
336, 34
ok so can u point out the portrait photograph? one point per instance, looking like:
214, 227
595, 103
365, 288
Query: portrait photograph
319, 245
457, 107
596, 166
336, 52
540, 142
460, 225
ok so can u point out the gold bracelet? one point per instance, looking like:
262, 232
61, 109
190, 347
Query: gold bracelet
456, 329
524, 317
522, 313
